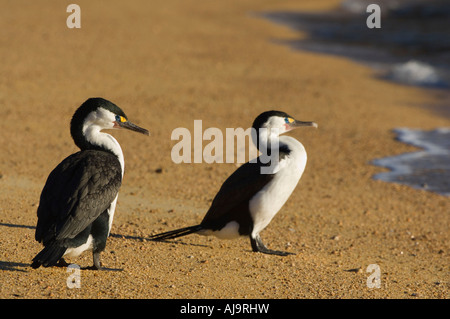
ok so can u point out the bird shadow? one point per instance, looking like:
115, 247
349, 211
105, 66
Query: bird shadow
178, 243
142, 239
111, 269
12, 266
120, 236
17, 226
15, 266
101, 269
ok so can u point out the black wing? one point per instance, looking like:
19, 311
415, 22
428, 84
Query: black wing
77, 191
236, 192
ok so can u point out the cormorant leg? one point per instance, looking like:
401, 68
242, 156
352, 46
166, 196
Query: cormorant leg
61, 263
258, 246
97, 264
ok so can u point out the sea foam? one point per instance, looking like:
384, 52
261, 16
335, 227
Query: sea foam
428, 168
416, 73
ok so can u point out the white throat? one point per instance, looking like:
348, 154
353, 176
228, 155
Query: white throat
92, 132
268, 138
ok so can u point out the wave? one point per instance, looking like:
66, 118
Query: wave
427, 169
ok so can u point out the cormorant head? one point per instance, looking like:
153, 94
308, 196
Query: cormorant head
269, 125
280, 121
96, 114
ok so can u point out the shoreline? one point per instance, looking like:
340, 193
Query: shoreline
334, 34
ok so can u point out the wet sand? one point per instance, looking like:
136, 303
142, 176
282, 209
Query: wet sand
167, 64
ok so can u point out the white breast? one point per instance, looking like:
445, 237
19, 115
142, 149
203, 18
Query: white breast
111, 211
266, 203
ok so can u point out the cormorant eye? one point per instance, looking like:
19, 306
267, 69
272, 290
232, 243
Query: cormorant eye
120, 119
288, 120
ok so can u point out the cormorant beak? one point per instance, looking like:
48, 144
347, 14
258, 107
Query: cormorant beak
297, 123
133, 127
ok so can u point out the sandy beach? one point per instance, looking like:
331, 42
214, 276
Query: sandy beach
167, 64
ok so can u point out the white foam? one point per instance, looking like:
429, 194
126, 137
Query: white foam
415, 73
434, 155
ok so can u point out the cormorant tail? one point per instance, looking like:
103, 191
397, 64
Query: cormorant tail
176, 233
49, 256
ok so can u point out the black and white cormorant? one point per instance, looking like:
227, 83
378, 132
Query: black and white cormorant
249, 198
78, 200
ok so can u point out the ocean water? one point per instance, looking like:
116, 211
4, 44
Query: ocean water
412, 47
428, 168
